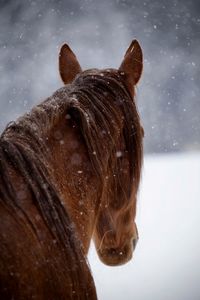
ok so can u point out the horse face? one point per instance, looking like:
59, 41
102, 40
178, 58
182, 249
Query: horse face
116, 232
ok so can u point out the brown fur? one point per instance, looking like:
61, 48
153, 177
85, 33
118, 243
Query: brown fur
69, 169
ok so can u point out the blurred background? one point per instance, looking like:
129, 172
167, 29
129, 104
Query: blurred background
31, 33
166, 264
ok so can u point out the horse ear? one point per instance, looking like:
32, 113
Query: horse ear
68, 64
132, 63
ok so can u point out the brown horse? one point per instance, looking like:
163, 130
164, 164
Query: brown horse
69, 171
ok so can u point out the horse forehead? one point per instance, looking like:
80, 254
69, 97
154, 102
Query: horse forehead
100, 72
91, 71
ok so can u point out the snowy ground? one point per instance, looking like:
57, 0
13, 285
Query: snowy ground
166, 264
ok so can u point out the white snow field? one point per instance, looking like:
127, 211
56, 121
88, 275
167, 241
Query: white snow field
166, 263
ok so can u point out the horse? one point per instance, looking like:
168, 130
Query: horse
69, 172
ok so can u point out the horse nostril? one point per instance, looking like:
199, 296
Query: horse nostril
113, 251
135, 242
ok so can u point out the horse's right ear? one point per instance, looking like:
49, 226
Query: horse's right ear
68, 64
132, 63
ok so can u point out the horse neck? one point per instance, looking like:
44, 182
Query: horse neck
74, 177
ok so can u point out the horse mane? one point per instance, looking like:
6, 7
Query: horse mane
16, 153
107, 116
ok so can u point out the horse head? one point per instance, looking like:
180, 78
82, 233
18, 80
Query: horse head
115, 233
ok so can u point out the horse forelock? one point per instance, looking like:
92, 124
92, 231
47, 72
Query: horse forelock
110, 126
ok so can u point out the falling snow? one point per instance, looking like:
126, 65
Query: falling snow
169, 36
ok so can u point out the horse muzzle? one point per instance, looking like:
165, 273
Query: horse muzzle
117, 256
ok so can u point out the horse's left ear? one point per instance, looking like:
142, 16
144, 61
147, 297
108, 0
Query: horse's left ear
132, 64
69, 66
